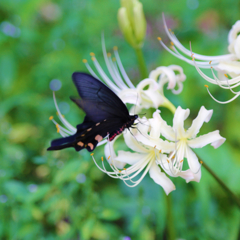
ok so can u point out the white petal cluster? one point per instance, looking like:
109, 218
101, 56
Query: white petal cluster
156, 148
160, 157
149, 92
228, 65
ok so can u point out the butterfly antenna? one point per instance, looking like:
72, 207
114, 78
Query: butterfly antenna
133, 134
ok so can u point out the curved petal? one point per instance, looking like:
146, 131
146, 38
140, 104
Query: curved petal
189, 176
150, 97
204, 115
155, 123
143, 126
179, 89
237, 47
132, 143
214, 138
155, 97
129, 157
148, 82
180, 76
109, 151
178, 121
168, 72
233, 33
192, 159
130, 96
161, 178
229, 66
166, 130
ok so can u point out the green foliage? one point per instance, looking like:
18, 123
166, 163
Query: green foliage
62, 195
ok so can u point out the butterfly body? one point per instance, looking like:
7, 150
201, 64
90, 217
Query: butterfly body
106, 115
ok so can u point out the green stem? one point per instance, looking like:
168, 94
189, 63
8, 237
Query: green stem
167, 104
170, 224
233, 197
141, 63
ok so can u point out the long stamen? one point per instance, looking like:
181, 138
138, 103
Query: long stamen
104, 76
103, 170
61, 128
118, 79
90, 69
230, 82
221, 102
228, 85
62, 119
174, 39
122, 70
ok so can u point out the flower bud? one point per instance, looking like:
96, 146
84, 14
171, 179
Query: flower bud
132, 22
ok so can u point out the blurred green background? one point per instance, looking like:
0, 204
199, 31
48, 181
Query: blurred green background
62, 195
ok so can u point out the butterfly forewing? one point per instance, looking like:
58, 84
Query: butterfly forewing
97, 99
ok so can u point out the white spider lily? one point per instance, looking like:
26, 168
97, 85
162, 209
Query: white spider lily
152, 154
228, 64
184, 140
142, 161
149, 92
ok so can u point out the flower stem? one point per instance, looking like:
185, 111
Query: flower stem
141, 63
170, 223
169, 105
234, 198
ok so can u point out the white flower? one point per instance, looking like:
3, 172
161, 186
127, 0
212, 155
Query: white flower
149, 92
144, 159
228, 64
183, 140
156, 156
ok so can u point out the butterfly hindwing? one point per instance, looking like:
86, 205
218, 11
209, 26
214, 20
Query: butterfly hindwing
88, 137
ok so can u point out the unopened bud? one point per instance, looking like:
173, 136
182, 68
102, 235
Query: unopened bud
132, 22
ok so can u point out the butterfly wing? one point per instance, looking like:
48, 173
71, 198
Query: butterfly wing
97, 100
87, 137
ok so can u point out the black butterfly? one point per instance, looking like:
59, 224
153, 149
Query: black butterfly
106, 115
